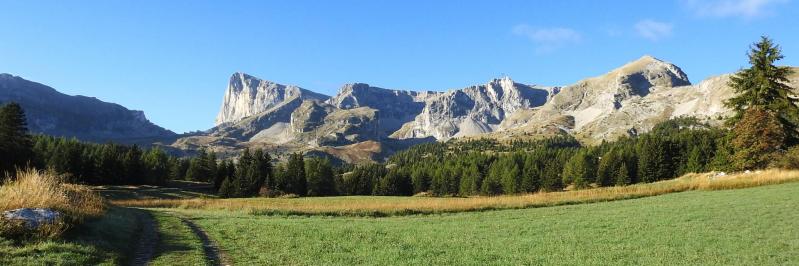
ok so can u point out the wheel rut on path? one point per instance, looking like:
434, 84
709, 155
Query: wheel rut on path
148, 239
213, 254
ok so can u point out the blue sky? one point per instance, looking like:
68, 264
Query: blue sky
173, 59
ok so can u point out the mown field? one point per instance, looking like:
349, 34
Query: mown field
755, 226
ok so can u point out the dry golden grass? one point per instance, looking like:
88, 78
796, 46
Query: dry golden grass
386, 206
40, 189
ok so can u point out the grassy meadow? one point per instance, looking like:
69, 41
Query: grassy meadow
754, 226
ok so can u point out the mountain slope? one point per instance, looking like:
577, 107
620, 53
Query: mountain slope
53, 113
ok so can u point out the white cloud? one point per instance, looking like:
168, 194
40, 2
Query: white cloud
746, 9
653, 30
547, 39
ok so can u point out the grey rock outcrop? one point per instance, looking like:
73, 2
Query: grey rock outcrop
246, 96
473, 110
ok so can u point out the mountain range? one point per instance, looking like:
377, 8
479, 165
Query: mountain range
366, 123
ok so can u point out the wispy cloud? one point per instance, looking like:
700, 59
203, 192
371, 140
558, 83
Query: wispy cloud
746, 9
653, 30
548, 39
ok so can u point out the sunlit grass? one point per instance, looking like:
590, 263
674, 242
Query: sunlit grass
41, 189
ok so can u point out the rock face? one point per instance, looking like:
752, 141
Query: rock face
625, 101
53, 113
247, 96
473, 110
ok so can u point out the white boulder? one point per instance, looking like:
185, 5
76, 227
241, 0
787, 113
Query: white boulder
33, 217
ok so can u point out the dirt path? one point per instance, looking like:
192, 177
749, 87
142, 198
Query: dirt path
212, 252
148, 239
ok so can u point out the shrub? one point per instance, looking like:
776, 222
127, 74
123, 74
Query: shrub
787, 160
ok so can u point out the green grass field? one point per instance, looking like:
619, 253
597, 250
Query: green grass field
752, 226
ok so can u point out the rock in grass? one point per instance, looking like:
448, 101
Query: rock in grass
33, 218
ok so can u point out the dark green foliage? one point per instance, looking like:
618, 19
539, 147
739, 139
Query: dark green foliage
394, 183
765, 85
104, 164
294, 180
580, 170
202, 167
15, 143
654, 159
420, 180
622, 175
319, 177
362, 179
470, 181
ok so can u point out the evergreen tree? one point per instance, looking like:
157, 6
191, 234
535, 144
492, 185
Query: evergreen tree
722, 158
579, 170
694, 163
178, 169
319, 177
756, 138
765, 85
200, 167
156, 164
531, 173
654, 159
622, 177
420, 180
469, 184
608, 167
16, 147
228, 188
394, 183
294, 179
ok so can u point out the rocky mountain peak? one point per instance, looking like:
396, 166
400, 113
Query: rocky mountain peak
653, 71
247, 95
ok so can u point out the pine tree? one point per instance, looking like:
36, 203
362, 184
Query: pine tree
608, 167
469, 181
579, 170
694, 163
295, 180
228, 189
622, 177
654, 159
420, 180
765, 85
319, 177
16, 146
756, 138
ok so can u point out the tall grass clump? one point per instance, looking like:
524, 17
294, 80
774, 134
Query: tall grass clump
32, 188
